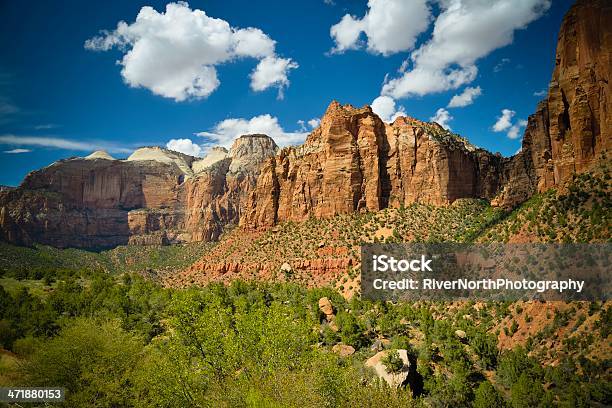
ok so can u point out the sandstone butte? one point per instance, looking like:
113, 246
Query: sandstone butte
352, 162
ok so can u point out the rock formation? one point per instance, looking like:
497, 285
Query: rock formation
393, 379
570, 130
352, 162
156, 196
217, 196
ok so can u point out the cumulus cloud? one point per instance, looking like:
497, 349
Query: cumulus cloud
60, 143
185, 146
464, 31
390, 26
442, 117
224, 132
423, 81
314, 122
174, 53
384, 106
465, 98
272, 71
17, 151
514, 131
505, 123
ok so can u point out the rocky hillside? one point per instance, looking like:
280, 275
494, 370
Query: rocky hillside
353, 162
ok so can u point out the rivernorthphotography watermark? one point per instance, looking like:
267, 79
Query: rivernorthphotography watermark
488, 271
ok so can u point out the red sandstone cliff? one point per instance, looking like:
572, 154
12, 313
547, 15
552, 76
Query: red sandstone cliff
571, 130
355, 162
351, 162
156, 196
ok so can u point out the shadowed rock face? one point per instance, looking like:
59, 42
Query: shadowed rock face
352, 162
217, 196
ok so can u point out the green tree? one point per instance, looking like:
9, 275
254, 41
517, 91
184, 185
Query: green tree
93, 360
486, 396
393, 362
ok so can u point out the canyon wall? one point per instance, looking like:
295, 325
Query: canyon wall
156, 196
355, 162
352, 162
570, 132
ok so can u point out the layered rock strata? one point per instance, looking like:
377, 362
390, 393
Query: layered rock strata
156, 196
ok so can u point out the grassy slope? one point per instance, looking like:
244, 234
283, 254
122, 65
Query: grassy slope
14, 259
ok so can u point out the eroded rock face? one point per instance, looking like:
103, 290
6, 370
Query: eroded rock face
217, 195
570, 130
93, 202
153, 197
355, 162
352, 162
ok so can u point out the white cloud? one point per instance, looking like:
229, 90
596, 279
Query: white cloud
346, 34
540, 93
514, 131
314, 122
174, 53
465, 98
185, 146
504, 121
442, 117
465, 31
17, 151
272, 71
59, 143
390, 26
384, 106
224, 132
421, 81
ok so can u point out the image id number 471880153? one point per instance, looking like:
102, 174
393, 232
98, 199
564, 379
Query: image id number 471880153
31, 394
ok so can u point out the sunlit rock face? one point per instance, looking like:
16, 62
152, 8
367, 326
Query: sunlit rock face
356, 162
156, 196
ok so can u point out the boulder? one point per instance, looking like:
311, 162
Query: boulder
326, 307
343, 350
394, 380
461, 334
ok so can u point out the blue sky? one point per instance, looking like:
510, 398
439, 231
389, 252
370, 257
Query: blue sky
59, 98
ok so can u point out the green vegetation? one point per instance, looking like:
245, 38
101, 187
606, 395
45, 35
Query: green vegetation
45, 262
393, 362
95, 323
580, 212
122, 340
